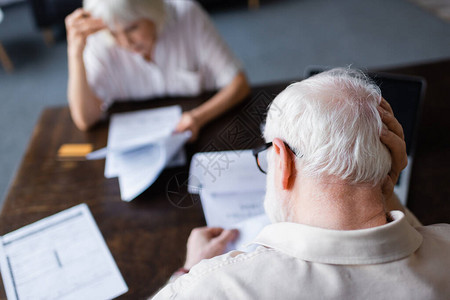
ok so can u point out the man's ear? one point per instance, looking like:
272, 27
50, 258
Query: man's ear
284, 163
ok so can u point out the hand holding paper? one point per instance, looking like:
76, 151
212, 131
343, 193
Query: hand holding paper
140, 145
232, 192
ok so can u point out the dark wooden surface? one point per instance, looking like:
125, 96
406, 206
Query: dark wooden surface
147, 236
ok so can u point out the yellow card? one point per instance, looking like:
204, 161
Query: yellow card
74, 150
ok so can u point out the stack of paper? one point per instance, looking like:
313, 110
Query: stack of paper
63, 256
232, 192
140, 145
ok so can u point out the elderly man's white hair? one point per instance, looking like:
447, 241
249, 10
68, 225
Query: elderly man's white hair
127, 11
331, 120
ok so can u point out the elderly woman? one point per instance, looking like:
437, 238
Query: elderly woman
138, 49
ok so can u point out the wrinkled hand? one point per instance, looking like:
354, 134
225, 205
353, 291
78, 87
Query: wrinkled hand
207, 242
394, 139
79, 25
189, 122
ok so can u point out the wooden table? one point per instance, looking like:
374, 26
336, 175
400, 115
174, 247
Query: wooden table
147, 237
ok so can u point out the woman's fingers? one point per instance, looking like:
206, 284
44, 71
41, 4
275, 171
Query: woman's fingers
88, 22
82, 22
90, 26
76, 15
79, 25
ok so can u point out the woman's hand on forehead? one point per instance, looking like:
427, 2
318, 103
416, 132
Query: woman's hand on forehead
79, 25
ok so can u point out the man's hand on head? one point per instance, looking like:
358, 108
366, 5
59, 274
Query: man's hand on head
207, 242
392, 136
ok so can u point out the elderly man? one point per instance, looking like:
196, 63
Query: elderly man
334, 152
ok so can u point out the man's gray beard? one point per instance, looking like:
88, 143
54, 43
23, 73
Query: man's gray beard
272, 203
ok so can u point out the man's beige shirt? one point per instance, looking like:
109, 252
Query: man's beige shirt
294, 261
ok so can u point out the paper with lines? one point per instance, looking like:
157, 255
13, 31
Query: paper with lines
63, 256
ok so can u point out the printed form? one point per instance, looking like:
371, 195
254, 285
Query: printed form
141, 144
232, 192
63, 256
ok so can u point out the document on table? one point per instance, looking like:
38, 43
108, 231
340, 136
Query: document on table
138, 169
63, 256
130, 130
232, 192
140, 145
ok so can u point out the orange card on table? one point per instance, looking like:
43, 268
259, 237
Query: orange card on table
74, 150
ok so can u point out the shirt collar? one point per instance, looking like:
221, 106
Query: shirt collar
381, 244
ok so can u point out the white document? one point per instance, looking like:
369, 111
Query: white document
63, 256
138, 169
227, 210
97, 154
242, 211
131, 130
140, 145
232, 191
225, 172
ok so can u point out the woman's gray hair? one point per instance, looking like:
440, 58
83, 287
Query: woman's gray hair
127, 11
332, 120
